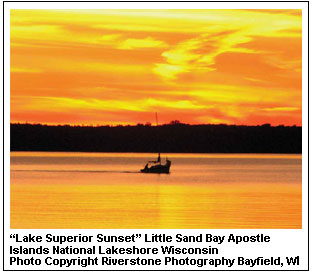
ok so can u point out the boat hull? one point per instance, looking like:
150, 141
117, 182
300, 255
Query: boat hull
161, 169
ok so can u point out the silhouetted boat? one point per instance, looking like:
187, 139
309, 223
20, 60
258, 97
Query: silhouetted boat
156, 166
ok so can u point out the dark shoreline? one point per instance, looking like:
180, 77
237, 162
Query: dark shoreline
168, 138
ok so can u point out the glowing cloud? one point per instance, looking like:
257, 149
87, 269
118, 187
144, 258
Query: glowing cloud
120, 66
141, 43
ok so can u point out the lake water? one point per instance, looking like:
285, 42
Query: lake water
106, 190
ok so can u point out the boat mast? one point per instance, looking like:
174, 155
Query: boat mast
158, 159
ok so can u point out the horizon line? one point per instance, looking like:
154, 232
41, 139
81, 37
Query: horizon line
148, 124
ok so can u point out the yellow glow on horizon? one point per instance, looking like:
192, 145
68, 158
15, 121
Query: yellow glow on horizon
120, 66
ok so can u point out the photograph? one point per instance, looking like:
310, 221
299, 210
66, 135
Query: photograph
156, 118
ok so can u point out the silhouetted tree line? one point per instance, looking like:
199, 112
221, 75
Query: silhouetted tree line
171, 138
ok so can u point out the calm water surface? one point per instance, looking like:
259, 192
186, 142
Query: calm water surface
106, 190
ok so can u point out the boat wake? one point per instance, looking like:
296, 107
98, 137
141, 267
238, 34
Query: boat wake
77, 171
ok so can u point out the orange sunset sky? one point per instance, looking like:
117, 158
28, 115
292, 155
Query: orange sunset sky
97, 67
